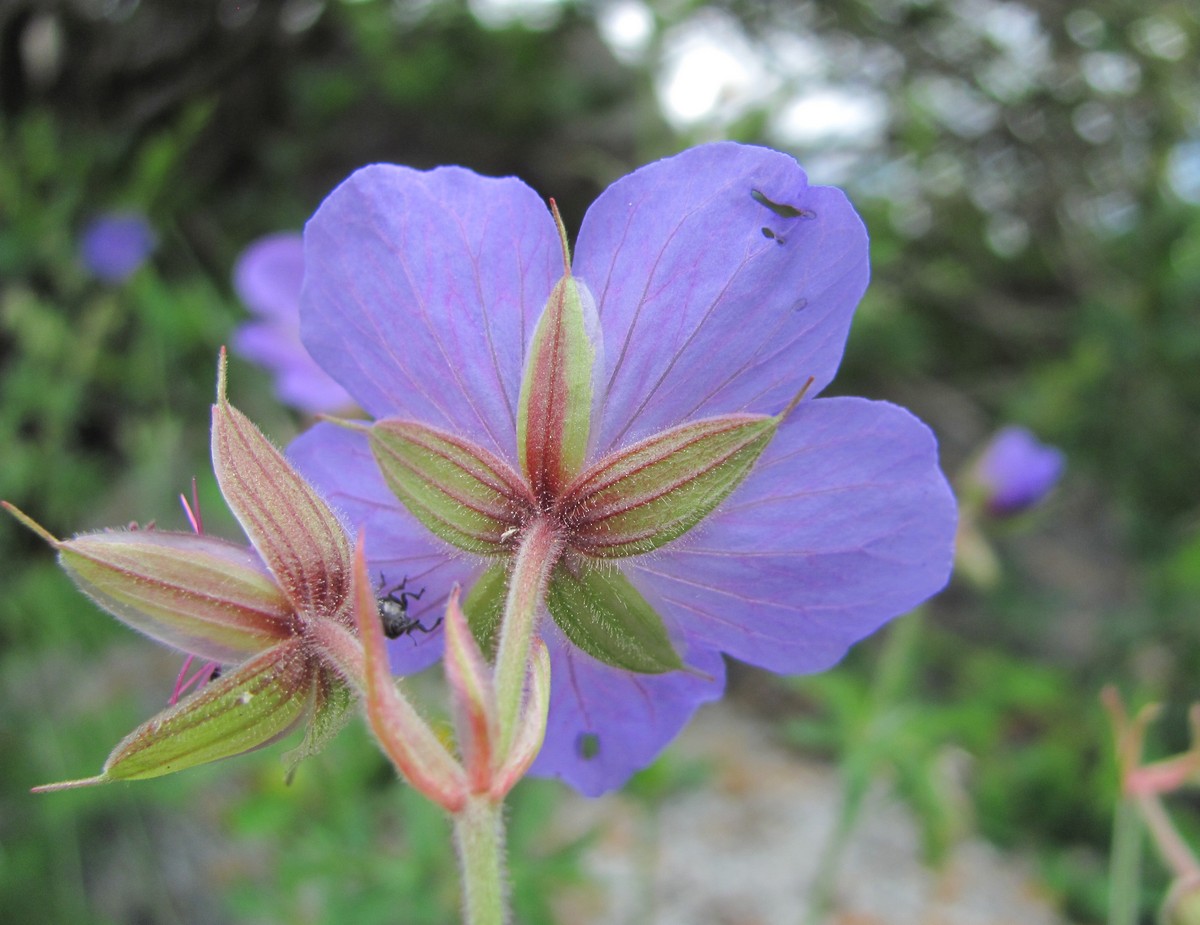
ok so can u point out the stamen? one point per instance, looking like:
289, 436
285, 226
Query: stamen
203, 675
180, 685
193, 510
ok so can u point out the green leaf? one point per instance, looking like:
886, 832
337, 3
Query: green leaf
605, 616
461, 492
645, 495
250, 707
555, 409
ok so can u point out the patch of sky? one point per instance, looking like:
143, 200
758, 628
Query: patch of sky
1183, 171
956, 105
530, 14
1085, 27
1111, 73
1159, 36
711, 72
628, 28
1093, 122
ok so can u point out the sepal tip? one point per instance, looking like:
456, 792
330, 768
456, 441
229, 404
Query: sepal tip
27, 521
71, 784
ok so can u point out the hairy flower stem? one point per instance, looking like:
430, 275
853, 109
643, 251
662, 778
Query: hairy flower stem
1170, 844
539, 550
479, 838
344, 652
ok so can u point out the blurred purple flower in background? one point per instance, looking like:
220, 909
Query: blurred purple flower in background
114, 245
267, 278
1016, 471
722, 283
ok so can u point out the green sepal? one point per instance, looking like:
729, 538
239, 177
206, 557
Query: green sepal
646, 495
605, 616
555, 408
200, 594
484, 607
247, 708
459, 491
291, 527
332, 708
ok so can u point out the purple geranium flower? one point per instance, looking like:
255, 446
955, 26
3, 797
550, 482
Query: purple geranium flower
1016, 471
113, 246
722, 284
268, 277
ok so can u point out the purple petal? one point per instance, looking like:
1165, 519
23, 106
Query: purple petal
605, 723
422, 292
339, 464
115, 245
1017, 471
299, 382
265, 343
269, 274
268, 277
710, 301
845, 523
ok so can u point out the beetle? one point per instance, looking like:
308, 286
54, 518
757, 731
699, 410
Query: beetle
393, 612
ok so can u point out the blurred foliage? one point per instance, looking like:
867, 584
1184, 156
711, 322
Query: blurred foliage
971, 739
1030, 173
1032, 166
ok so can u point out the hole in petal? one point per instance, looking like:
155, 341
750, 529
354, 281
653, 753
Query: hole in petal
587, 745
783, 210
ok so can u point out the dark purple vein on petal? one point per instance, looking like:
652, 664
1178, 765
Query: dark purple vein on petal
642, 302
678, 354
376, 374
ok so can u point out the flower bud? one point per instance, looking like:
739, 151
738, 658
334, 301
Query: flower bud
114, 245
1016, 472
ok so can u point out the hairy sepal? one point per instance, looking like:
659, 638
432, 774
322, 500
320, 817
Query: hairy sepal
647, 494
557, 389
473, 695
332, 707
459, 491
248, 708
199, 594
484, 607
292, 528
604, 615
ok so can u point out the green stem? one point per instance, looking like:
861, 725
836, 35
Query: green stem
539, 550
859, 764
1124, 867
821, 899
479, 838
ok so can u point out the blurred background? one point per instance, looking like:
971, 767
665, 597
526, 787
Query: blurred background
1029, 171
